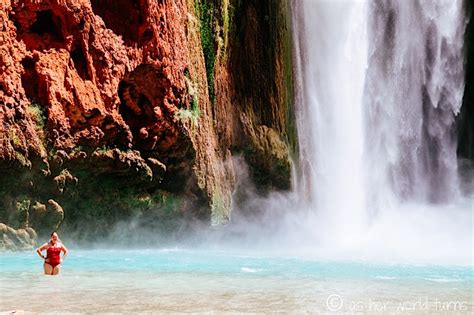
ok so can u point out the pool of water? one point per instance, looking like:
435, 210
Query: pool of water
185, 280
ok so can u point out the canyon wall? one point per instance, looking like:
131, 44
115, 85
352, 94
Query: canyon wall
466, 117
114, 109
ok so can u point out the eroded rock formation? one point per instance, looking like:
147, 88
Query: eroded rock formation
113, 108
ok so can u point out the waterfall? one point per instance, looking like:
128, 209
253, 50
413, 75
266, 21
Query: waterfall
378, 86
332, 62
414, 89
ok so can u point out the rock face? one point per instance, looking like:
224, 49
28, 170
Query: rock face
111, 109
12, 239
466, 118
255, 95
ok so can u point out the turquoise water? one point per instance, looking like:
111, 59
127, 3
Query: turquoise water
181, 280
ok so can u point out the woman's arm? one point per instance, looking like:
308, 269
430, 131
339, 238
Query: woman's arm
42, 248
64, 250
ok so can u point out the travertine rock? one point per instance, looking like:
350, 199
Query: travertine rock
11, 239
120, 88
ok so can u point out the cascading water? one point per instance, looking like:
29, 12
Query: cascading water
332, 62
378, 85
414, 88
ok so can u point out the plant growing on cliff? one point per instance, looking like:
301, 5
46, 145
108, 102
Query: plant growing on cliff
22, 160
19, 146
102, 150
21, 214
205, 12
37, 113
228, 26
15, 139
191, 114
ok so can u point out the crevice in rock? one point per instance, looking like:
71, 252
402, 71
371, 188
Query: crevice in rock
124, 17
14, 19
42, 33
29, 79
80, 63
146, 108
135, 107
47, 24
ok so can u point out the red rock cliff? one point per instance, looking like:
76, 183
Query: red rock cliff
151, 96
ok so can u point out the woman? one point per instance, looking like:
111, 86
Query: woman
52, 261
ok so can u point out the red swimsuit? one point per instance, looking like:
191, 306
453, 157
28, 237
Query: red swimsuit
53, 257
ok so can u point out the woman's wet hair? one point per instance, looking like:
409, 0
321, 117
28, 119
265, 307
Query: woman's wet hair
51, 239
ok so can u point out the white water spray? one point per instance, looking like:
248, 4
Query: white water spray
414, 88
332, 61
378, 84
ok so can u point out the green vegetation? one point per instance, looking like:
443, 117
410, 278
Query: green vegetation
205, 11
289, 92
37, 113
15, 139
216, 21
191, 114
21, 215
96, 196
226, 19
22, 159
103, 149
228, 28
76, 150
97, 208
65, 172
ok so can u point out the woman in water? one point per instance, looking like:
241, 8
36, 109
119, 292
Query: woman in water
52, 261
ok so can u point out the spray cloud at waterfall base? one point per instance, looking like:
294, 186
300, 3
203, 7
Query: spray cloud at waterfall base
400, 233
